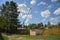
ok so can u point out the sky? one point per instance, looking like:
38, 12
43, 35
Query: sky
37, 11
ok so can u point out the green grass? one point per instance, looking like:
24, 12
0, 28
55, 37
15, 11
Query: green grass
5, 37
28, 37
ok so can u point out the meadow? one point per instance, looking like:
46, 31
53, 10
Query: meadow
28, 37
49, 34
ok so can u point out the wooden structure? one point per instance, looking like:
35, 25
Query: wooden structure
34, 32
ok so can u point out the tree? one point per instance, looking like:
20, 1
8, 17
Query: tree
58, 24
2, 20
49, 25
40, 25
33, 26
2, 23
10, 15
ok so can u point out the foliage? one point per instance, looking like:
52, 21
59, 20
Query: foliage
58, 24
40, 25
33, 26
49, 25
9, 16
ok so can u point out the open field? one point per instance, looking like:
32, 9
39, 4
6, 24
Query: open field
49, 34
50, 31
28, 37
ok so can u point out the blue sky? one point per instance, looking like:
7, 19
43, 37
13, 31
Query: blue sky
36, 11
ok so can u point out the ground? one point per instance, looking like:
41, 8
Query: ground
28, 37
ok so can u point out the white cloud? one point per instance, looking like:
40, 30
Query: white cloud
27, 16
49, 6
41, 3
45, 13
54, 0
27, 22
24, 16
23, 8
32, 2
57, 11
53, 20
20, 14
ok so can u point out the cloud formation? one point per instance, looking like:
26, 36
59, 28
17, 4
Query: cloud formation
45, 13
32, 2
57, 11
27, 16
54, 0
20, 14
27, 22
23, 8
53, 20
41, 3
49, 6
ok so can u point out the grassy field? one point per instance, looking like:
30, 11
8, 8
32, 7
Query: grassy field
28, 37
51, 31
49, 34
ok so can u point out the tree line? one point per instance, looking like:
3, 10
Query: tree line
43, 26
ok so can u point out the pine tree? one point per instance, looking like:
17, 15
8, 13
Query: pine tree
10, 15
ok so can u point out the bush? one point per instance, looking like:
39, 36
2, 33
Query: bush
23, 31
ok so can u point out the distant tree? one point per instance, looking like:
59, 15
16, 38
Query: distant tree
40, 25
33, 26
49, 25
28, 27
58, 24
